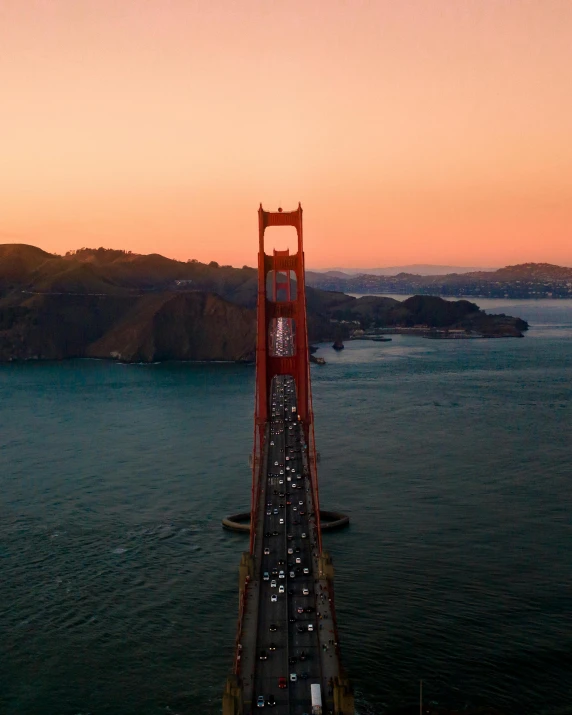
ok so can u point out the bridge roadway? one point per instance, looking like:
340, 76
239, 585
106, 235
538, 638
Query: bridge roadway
291, 609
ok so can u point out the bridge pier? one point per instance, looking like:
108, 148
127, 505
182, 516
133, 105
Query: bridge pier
329, 521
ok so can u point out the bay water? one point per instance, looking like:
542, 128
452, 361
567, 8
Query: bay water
118, 586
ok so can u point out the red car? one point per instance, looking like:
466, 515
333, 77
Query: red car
282, 683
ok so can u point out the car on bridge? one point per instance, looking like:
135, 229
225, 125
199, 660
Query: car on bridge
282, 683
260, 702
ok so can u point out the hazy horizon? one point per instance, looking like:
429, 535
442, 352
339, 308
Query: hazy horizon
433, 269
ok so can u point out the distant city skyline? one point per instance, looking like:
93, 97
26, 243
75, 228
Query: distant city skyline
411, 132
428, 268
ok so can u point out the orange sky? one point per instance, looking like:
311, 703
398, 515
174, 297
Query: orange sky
412, 131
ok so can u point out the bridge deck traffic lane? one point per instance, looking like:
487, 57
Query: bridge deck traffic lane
285, 484
248, 654
276, 666
302, 640
328, 651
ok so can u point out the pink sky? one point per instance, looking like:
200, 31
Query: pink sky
412, 131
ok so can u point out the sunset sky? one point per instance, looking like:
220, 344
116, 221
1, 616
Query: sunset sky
412, 131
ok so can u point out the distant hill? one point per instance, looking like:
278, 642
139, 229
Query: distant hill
527, 280
533, 271
120, 305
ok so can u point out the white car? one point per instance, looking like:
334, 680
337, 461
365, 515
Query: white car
281, 588
305, 592
306, 570
298, 560
293, 678
281, 520
310, 627
281, 574
273, 584
303, 534
274, 598
266, 551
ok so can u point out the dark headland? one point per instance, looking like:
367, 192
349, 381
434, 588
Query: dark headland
103, 303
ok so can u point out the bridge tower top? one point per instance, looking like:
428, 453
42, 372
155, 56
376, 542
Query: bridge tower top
282, 265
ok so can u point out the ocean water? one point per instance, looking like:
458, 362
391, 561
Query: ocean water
118, 588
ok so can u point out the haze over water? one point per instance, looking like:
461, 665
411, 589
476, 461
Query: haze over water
119, 588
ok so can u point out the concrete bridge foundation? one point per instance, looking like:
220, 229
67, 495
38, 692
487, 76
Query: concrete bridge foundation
329, 521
